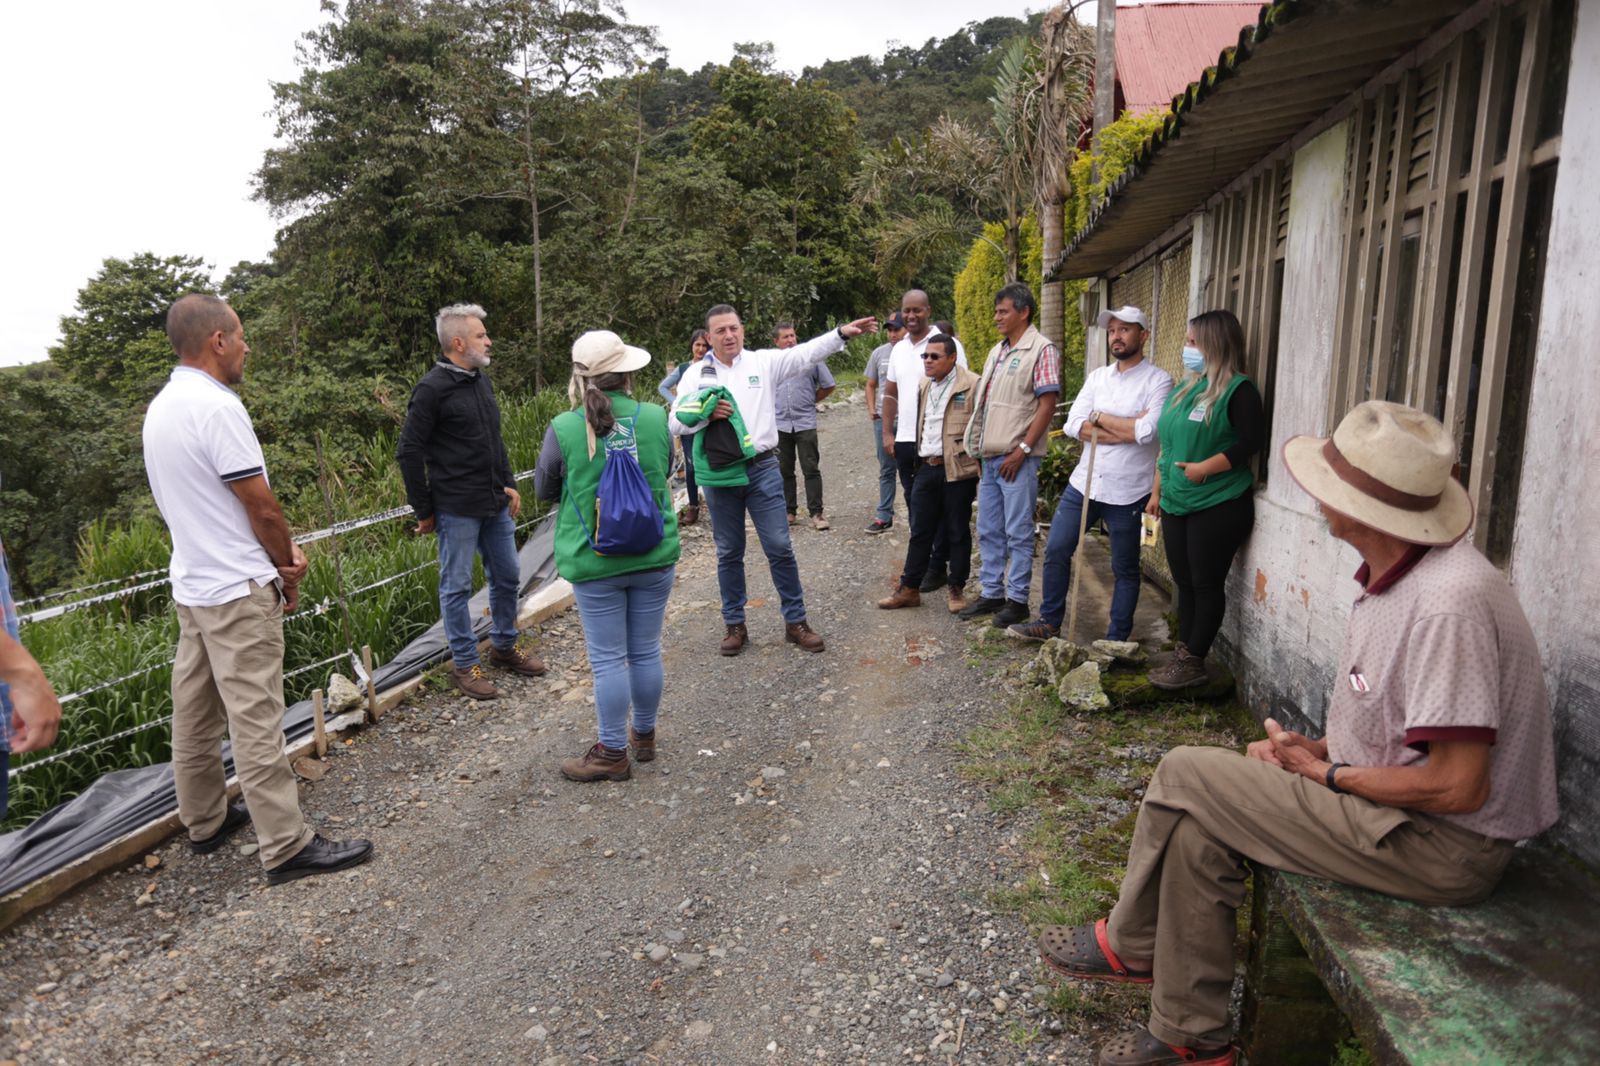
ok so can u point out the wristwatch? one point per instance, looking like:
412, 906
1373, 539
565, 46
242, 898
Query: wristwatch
1024, 446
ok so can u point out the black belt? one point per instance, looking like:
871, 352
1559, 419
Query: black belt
758, 457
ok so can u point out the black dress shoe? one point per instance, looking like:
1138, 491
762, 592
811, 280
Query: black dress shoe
935, 579
321, 856
979, 607
238, 814
1012, 613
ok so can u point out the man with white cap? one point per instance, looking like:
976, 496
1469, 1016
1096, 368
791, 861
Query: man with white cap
1117, 409
1438, 755
460, 486
751, 378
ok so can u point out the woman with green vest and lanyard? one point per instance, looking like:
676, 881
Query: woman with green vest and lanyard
622, 599
1211, 426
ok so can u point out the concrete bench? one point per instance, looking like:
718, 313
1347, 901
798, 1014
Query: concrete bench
1515, 979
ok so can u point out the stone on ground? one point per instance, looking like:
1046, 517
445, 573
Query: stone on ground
1080, 688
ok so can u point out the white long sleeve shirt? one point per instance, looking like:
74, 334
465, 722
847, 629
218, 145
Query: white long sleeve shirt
753, 378
1123, 473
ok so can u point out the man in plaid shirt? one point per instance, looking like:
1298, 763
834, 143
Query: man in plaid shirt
29, 713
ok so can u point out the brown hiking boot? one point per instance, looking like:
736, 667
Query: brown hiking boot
734, 640
1184, 671
688, 516
518, 659
903, 596
802, 634
957, 598
472, 682
597, 764
644, 747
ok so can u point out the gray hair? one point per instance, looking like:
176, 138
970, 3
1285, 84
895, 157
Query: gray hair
447, 323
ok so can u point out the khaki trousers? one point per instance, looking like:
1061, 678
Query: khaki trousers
1206, 811
228, 678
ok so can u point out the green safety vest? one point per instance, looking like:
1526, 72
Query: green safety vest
575, 560
1188, 436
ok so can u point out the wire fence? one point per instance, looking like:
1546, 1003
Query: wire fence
333, 530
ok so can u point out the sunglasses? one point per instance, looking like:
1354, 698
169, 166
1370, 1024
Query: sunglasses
930, 356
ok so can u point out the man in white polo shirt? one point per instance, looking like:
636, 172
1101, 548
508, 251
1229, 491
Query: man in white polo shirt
752, 378
235, 571
1120, 404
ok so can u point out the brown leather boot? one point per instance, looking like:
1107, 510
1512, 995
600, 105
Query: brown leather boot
472, 682
802, 634
518, 659
903, 596
957, 598
688, 516
644, 747
597, 764
734, 640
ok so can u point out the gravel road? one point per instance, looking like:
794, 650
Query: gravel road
801, 876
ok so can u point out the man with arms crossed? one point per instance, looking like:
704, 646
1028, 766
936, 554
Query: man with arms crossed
459, 483
1438, 755
752, 378
235, 573
1016, 399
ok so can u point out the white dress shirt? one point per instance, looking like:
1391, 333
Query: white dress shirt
753, 377
1123, 473
939, 392
905, 370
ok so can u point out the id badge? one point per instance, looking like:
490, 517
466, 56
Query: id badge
1149, 527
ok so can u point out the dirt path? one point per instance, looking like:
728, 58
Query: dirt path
802, 876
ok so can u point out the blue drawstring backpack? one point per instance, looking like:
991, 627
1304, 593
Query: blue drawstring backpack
626, 518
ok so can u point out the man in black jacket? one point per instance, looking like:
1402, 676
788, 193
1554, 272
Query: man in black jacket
459, 482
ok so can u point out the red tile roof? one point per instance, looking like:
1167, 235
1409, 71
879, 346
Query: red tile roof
1163, 46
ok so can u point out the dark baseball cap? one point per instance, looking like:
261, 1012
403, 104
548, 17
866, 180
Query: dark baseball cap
895, 322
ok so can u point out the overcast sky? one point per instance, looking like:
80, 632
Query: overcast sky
136, 126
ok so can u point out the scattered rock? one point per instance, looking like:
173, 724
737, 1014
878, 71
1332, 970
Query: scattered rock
1080, 689
46, 988
152, 861
343, 694
699, 1030
772, 773
1127, 652
538, 1034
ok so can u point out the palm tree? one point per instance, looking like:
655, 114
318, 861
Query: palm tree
1066, 60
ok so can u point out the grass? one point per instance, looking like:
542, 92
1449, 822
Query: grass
1073, 782
91, 646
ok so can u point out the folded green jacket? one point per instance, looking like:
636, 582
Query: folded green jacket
723, 447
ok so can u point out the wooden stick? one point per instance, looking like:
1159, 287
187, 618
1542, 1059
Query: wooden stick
317, 723
1083, 526
372, 691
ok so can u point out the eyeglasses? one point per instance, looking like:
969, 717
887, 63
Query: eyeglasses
929, 356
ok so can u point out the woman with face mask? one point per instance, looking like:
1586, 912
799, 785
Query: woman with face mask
1210, 428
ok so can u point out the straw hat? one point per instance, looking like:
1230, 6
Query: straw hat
602, 352
1387, 466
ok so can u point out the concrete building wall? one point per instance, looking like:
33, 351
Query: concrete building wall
1555, 562
1290, 592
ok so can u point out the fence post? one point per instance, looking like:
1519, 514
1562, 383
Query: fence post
318, 724
372, 688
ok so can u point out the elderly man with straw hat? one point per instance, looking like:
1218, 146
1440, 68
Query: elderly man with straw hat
1438, 755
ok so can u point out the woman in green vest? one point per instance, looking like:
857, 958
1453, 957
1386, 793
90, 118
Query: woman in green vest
622, 599
1210, 428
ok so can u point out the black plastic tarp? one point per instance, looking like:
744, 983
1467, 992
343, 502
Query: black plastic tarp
121, 802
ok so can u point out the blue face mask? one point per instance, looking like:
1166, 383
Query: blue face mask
1194, 361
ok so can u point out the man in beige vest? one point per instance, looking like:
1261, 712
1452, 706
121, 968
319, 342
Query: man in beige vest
1016, 398
1438, 755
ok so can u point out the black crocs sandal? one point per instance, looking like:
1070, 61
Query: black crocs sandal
1140, 1048
1084, 951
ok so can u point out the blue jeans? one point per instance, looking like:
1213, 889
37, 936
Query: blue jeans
622, 619
1005, 529
886, 474
763, 499
1122, 522
496, 540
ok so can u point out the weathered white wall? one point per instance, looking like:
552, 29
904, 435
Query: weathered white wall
1290, 593
1555, 563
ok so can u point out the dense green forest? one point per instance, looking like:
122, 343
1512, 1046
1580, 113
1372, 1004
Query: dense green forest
489, 151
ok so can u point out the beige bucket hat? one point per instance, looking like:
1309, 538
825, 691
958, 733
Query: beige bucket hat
1387, 466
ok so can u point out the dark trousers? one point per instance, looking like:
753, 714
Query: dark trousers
907, 463
940, 510
688, 470
1200, 551
804, 444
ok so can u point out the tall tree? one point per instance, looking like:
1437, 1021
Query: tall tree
1066, 61
115, 343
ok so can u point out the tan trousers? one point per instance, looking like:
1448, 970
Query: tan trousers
1206, 811
228, 677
